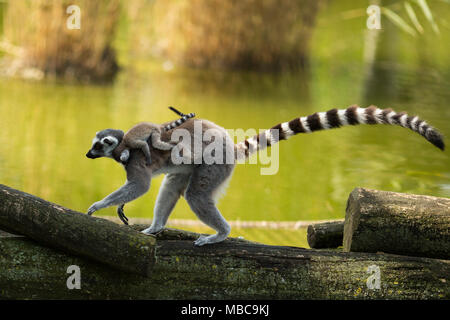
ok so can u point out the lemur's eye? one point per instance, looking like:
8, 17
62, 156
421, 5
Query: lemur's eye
97, 146
107, 141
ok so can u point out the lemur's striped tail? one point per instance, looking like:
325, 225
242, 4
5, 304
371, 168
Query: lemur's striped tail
180, 121
335, 118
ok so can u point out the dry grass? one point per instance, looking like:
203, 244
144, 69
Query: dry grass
39, 27
218, 34
235, 34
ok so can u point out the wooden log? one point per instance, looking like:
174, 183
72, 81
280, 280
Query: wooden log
398, 223
76, 233
234, 269
326, 234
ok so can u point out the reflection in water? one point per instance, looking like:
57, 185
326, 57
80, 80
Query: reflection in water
47, 129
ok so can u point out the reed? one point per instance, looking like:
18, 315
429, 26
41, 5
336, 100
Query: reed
234, 34
39, 27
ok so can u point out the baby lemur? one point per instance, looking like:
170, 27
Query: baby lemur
200, 182
136, 137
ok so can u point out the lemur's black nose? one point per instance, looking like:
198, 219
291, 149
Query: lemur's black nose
90, 155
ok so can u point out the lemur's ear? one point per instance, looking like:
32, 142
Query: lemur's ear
108, 141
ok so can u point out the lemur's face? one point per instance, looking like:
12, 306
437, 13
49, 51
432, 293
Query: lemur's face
104, 143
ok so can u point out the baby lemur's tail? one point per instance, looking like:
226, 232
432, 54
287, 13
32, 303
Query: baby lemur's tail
335, 118
180, 121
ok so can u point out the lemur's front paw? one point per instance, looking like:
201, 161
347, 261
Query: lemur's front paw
93, 208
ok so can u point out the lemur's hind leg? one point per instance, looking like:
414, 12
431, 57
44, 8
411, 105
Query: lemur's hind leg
159, 144
205, 181
172, 187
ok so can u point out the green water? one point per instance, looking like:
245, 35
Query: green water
46, 128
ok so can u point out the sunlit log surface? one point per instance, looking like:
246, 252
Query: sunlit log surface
399, 223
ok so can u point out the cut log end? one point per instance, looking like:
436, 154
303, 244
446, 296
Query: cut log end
398, 223
325, 235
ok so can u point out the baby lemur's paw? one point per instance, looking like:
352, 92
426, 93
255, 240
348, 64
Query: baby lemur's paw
124, 156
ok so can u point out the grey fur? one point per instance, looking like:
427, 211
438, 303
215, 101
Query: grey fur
136, 138
198, 183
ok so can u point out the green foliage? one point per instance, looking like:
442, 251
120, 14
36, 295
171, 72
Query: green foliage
396, 19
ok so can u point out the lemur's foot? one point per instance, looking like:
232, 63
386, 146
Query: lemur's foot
152, 230
93, 208
148, 162
202, 240
121, 214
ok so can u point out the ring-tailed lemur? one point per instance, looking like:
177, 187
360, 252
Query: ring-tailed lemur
200, 183
136, 137
132, 139
183, 118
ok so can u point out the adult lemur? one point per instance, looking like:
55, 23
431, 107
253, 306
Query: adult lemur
201, 182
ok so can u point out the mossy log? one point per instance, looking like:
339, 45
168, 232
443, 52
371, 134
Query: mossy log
326, 234
234, 269
399, 223
75, 233
174, 268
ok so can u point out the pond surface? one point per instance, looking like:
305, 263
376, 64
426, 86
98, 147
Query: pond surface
46, 128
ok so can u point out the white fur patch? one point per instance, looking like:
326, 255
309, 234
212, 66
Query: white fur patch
286, 130
414, 123
273, 139
95, 140
389, 117
361, 115
421, 127
253, 143
113, 139
323, 120
305, 125
378, 115
342, 117
403, 119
